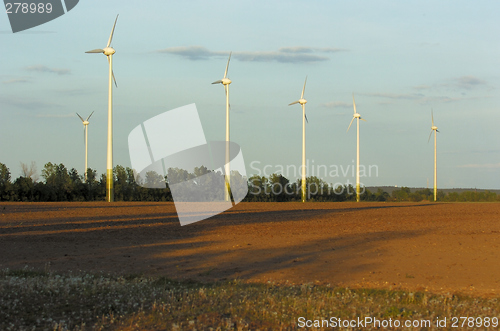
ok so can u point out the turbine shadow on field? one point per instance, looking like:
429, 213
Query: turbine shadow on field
126, 220
296, 243
16, 207
333, 260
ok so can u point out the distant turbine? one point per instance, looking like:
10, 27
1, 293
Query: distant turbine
435, 130
303, 102
85, 134
225, 82
356, 116
109, 51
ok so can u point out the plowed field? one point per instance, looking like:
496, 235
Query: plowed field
423, 246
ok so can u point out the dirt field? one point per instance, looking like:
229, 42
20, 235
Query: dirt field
425, 246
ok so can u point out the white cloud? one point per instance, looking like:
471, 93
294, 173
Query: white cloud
303, 49
469, 82
16, 81
191, 52
420, 98
454, 84
405, 96
55, 115
26, 103
336, 104
481, 166
284, 55
422, 87
44, 69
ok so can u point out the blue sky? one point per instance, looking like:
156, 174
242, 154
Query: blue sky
400, 59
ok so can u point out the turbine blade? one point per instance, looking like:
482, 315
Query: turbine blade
217, 82
112, 72
432, 115
112, 32
437, 130
84, 135
354, 103
227, 65
430, 136
362, 119
303, 89
96, 51
350, 124
293, 102
306, 118
80, 117
225, 90
89, 116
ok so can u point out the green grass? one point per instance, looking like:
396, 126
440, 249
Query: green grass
32, 299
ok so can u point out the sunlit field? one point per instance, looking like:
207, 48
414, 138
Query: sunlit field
131, 266
52, 301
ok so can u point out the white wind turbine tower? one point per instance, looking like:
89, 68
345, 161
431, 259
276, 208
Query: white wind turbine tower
435, 130
225, 82
356, 116
86, 134
303, 102
109, 51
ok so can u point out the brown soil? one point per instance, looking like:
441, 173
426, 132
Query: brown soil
419, 246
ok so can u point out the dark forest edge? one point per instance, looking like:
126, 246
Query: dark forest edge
61, 184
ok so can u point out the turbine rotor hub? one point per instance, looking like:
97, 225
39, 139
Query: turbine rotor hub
226, 81
302, 101
434, 128
109, 51
86, 122
357, 115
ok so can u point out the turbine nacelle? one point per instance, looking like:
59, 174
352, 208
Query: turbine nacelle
435, 128
108, 51
357, 115
301, 101
223, 81
85, 121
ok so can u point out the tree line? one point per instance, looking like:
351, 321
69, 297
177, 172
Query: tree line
61, 184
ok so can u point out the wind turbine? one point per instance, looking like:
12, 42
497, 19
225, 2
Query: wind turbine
303, 102
109, 51
225, 82
435, 130
85, 133
356, 116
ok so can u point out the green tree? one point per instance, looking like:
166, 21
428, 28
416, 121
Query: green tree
316, 188
58, 182
24, 188
402, 194
5, 184
381, 195
121, 183
279, 188
257, 188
